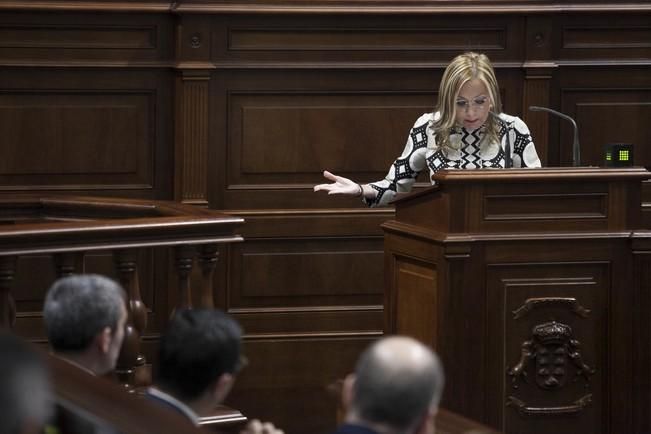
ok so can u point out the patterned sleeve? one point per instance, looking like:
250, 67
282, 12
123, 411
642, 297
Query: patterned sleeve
405, 169
524, 151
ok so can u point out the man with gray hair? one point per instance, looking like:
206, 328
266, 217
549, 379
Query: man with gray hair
85, 317
396, 389
25, 398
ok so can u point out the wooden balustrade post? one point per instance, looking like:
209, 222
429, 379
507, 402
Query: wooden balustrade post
184, 259
66, 263
208, 257
131, 367
7, 304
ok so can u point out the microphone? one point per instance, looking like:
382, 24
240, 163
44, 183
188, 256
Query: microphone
508, 162
576, 149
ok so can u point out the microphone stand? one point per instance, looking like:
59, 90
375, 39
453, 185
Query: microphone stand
576, 150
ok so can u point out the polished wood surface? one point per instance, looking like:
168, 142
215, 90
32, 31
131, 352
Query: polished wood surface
448, 422
111, 404
71, 229
532, 308
239, 106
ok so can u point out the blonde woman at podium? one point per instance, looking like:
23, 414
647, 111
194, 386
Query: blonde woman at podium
467, 131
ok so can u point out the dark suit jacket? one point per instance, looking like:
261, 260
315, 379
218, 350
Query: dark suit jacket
353, 429
161, 399
66, 421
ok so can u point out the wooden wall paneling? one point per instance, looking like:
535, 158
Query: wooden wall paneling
463, 277
642, 331
63, 39
507, 294
609, 107
605, 37
442, 280
302, 299
541, 42
85, 101
524, 292
295, 273
327, 40
611, 100
537, 89
103, 132
540, 38
192, 109
191, 137
621, 358
555, 281
418, 300
288, 378
285, 127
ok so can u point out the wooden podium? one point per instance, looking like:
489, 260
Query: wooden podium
532, 285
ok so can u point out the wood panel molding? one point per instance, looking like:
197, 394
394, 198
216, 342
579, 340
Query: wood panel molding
74, 38
360, 39
191, 147
325, 6
79, 36
88, 6
104, 142
398, 7
593, 38
586, 282
537, 87
593, 107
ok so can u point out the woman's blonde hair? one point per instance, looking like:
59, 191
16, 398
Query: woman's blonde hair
463, 68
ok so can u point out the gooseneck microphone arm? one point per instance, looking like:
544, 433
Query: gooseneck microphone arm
508, 162
576, 149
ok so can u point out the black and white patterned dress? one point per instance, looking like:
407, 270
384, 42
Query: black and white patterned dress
469, 152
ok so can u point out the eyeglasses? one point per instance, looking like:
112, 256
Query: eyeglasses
477, 103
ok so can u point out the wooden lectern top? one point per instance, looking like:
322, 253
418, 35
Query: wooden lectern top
513, 202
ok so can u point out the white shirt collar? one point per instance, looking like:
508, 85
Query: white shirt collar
74, 363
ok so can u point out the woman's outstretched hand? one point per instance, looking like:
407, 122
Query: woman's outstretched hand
339, 185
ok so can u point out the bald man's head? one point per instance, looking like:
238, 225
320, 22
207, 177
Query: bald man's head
398, 380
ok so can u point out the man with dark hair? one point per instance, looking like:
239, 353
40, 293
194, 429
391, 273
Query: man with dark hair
199, 357
396, 389
85, 317
25, 399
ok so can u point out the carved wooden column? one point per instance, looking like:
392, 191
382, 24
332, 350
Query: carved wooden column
184, 259
208, 257
192, 137
66, 263
191, 111
7, 304
131, 368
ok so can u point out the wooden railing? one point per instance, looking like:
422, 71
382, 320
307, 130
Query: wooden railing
106, 403
68, 227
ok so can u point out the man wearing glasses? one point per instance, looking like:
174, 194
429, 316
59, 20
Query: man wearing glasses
199, 358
